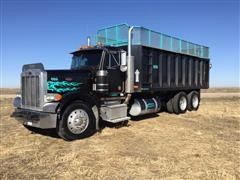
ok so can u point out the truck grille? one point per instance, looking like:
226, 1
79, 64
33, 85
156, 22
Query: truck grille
31, 91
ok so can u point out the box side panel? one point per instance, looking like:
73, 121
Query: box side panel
163, 70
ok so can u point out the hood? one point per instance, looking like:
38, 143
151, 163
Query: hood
63, 81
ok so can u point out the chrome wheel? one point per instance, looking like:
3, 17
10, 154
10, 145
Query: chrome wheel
78, 121
183, 103
195, 101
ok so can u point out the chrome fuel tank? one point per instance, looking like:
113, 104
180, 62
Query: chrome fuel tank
145, 106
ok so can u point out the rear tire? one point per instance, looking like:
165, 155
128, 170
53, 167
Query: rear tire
180, 103
169, 106
193, 101
77, 122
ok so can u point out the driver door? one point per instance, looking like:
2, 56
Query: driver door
115, 76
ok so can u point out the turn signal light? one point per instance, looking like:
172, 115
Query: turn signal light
58, 97
53, 97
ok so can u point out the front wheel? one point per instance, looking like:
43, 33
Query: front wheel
77, 121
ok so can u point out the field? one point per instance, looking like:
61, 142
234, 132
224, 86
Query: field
197, 145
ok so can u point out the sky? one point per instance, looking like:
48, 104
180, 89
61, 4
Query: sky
47, 31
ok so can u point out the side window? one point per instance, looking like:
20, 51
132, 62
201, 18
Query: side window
82, 61
112, 61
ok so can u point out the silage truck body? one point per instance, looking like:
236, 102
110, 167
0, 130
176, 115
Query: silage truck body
131, 71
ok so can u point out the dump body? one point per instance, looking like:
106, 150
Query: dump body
161, 70
161, 62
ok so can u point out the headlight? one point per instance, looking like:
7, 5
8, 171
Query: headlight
17, 102
52, 97
18, 94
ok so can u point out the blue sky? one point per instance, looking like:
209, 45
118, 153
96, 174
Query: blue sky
47, 31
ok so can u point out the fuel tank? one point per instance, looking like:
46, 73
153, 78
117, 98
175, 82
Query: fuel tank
102, 82
145, 106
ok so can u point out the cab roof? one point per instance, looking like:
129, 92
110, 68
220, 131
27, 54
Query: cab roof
93, 48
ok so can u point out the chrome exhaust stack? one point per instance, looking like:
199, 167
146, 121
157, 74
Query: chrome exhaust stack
130, 65
88, 41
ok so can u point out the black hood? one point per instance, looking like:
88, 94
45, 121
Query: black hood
63, 81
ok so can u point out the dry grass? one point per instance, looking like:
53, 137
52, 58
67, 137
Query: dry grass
221, 90
8, 91
196, 145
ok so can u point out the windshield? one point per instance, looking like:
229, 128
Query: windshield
86, 59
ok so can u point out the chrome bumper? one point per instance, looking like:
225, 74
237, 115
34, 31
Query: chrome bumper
43, 120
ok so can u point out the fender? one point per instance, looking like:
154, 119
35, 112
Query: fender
68, 98
88, 97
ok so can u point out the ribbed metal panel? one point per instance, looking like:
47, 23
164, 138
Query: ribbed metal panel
30, 91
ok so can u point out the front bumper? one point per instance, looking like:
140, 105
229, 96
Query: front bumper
43, 120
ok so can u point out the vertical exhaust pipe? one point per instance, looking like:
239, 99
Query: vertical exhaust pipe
130, 41
130, 65
89, 41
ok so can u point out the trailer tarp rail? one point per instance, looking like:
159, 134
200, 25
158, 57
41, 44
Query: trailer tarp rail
118, 36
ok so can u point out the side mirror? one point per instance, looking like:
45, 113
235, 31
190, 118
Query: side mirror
210, 66
123, 66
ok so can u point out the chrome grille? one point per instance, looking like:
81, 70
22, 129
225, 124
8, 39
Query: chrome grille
33, 89
30, 91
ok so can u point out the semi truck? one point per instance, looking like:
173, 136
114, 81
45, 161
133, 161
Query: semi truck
131, 71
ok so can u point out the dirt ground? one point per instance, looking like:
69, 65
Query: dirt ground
204, 144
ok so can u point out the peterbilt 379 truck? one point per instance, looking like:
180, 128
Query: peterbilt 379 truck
130, 71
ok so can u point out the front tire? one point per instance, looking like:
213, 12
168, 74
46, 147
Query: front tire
77, 122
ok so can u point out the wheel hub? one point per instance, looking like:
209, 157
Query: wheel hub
183, 103
78, 121
195, 101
